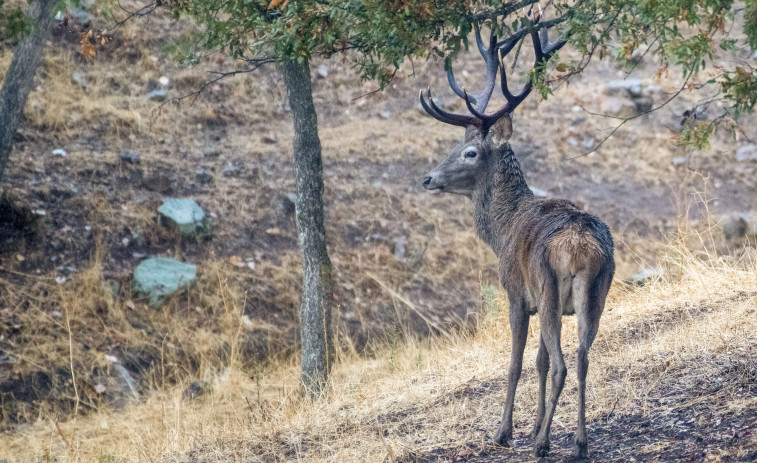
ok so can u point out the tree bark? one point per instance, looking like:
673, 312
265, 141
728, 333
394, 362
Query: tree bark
19, 79
315, 309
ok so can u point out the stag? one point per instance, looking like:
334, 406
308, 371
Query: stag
554, 258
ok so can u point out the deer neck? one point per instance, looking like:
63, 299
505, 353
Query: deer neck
498, 197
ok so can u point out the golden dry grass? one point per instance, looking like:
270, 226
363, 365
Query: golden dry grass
444, 393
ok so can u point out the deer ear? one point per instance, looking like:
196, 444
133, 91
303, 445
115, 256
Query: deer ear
500, 132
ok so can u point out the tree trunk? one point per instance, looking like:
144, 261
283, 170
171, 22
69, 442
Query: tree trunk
315, 309
19, 79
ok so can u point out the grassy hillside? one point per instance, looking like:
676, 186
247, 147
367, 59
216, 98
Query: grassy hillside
673, 376
421, 325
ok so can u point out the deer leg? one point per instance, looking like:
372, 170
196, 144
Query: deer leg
542, 367
588, 323
550, 318
519, 328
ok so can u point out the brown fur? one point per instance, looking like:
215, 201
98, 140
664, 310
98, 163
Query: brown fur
574, 250
554, 260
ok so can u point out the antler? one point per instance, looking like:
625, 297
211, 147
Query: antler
494, 59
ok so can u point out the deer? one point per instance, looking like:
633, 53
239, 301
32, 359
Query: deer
554, 258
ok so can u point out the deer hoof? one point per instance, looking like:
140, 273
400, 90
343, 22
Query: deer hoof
541, 449
580, 450
503, 439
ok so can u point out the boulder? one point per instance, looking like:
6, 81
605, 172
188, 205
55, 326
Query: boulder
739, 225
619, 107
185, 215
628, 88
159, 277
157, 95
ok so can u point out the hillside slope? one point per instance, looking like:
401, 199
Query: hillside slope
673, 376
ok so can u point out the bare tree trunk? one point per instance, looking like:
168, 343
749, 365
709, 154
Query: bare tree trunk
20, 76
315, 308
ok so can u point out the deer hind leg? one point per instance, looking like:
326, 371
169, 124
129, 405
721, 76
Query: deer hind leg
519, 327
589, 299
542, 367
550, 317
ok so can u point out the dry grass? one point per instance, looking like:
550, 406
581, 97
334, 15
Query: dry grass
418, 397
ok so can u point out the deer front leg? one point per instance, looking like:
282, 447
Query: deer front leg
519, 328
542, 367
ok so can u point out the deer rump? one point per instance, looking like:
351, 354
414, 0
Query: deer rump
559, 251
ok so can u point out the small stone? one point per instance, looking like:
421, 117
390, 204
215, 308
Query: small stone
193, 391
400, 249
203, 177
60, 152
160, 277
157, 95
79, 79
385, 114
163, 80
129, 157
746, 153
679, 160
184, 214
647, 275
323, 71
588, 143
232, 171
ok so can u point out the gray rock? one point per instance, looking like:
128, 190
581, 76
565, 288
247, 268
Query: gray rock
129, 157
78, 78
628, 88
157, 95
619, 107
323, 71
185, 215
232, 171
679, 160
160, 277
644, 104
193, 391
203, 177
117, 385
648, 275
746, 153
287, 204
739, 225
400, 249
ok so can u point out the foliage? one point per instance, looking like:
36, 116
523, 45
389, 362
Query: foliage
377, 36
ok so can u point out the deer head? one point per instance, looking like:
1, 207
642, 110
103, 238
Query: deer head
486, 135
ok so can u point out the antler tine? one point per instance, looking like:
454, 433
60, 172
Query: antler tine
471, 108
443, 116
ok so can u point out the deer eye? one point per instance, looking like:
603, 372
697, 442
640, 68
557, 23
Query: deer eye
470, 153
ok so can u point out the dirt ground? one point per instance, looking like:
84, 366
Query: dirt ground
407, 264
